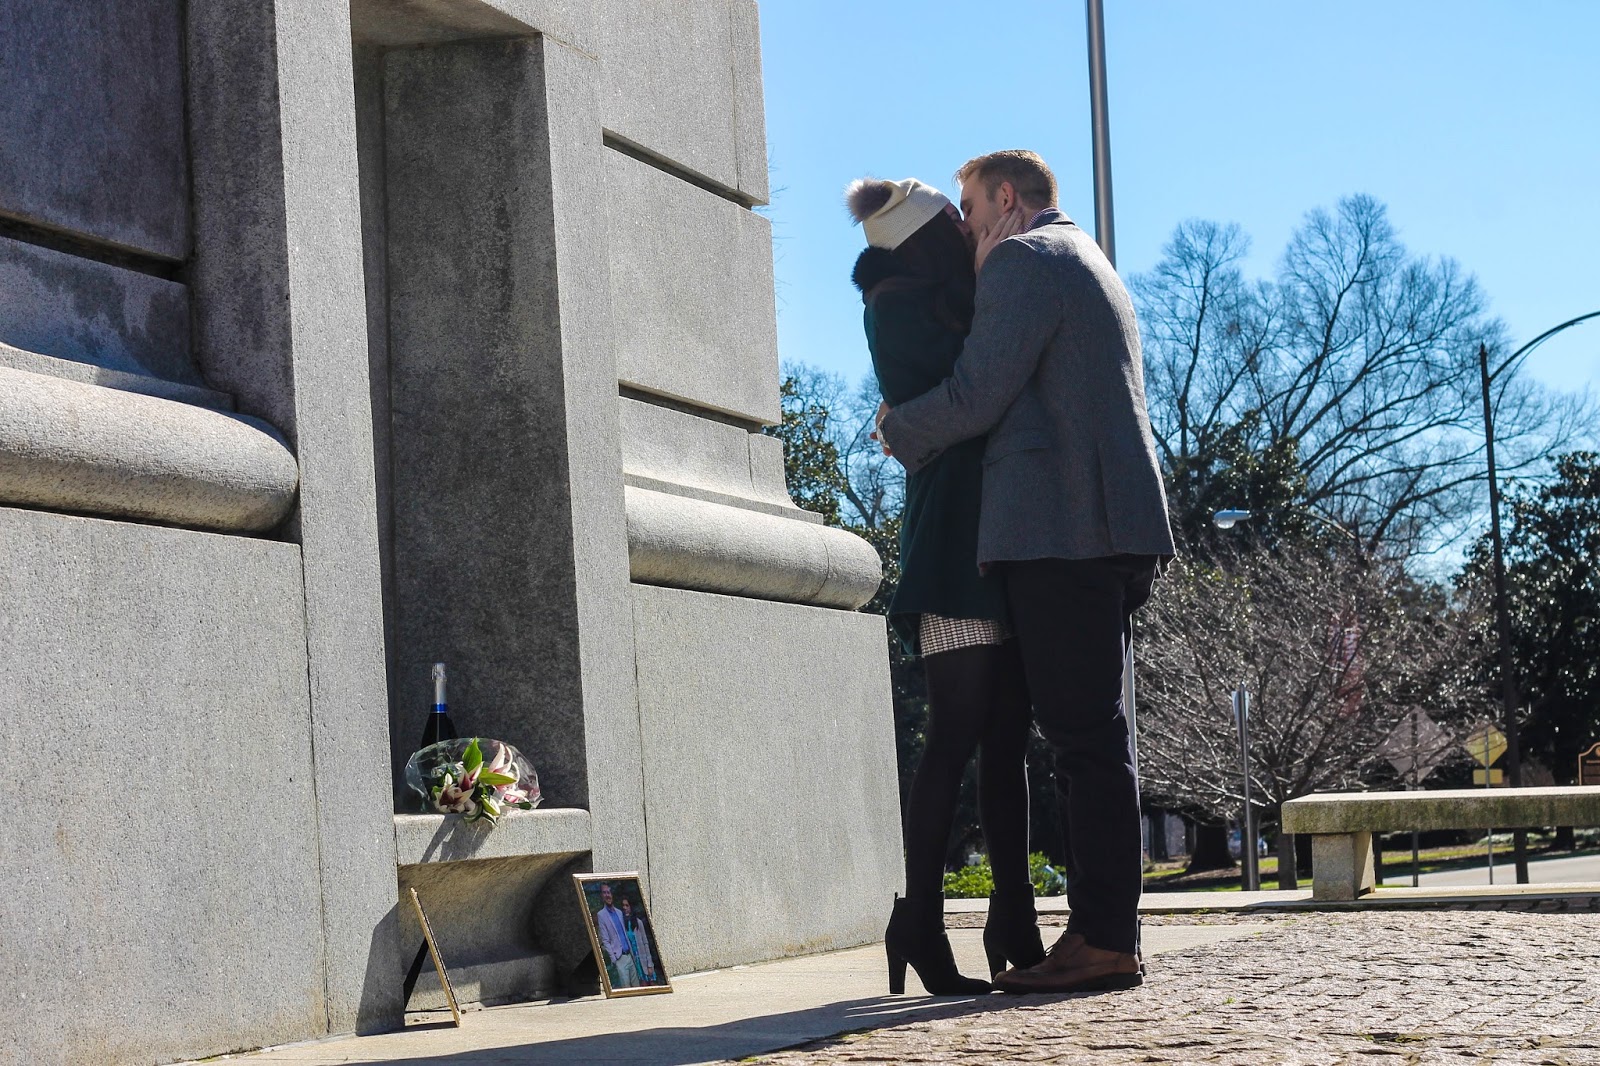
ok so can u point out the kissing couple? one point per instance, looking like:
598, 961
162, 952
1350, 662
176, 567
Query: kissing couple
1007, 354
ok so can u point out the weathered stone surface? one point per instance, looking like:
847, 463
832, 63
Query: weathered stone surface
398, 23
482, 914
280, 323
403, 23
696, 544
510, 549
72, 308
92, 131
692, 293
480, 886
675, 451
158, 886
89, 374
423, 838
482, 520
1459, 808
770, 786
749, 101
668, 73
600, 538
68, 446
526, 976
1342, 866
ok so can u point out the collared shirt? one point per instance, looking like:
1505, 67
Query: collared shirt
1037, 215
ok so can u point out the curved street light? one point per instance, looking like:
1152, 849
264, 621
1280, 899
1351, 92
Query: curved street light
1502, 612
1541, 338
1249, 868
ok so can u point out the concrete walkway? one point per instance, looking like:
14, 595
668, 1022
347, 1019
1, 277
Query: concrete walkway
1411, 976
710, 1017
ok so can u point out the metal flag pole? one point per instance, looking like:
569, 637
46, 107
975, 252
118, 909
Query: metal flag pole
1104, 230
1105, 236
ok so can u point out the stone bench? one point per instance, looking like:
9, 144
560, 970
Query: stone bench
1341, 824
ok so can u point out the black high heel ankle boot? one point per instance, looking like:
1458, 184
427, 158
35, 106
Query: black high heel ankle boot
916, 937
1011, 932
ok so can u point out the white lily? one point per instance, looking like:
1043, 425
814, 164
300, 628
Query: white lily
502, 763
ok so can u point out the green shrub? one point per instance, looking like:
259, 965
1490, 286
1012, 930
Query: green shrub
976, 882
970, 882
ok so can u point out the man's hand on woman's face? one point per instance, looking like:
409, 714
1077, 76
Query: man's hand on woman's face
1009, 225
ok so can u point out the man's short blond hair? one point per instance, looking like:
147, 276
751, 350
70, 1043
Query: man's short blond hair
1027, 173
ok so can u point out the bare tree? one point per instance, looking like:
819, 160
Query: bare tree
871, 486
1347, 385
1337, 649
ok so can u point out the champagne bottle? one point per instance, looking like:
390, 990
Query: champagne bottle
439, 726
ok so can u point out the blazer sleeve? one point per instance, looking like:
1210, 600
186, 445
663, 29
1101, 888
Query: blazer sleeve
1018, 309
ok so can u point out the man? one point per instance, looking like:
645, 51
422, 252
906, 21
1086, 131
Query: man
614, 941
1074, 522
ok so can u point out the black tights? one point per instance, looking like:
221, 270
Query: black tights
977, 700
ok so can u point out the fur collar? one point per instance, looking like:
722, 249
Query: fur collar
874, 267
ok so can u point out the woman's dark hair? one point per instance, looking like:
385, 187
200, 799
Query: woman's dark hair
938, 251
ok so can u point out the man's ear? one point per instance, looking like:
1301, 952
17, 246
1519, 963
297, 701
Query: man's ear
1005, 197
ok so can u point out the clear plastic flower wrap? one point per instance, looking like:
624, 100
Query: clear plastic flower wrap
473, 777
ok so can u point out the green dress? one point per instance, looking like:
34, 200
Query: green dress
912, 352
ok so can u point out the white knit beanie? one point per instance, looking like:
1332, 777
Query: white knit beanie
891, 211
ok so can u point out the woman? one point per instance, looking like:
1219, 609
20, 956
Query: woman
638, 933
917, 281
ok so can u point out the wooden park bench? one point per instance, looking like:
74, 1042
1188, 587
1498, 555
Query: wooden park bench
1341, 824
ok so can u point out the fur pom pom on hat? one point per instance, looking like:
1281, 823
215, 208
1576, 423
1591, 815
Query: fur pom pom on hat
891, 211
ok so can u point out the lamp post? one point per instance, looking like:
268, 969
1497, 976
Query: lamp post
1249, 864
1508, 684
1249, 867
1288, 876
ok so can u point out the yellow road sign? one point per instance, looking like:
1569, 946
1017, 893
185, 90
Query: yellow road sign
1496, 777
1485, 744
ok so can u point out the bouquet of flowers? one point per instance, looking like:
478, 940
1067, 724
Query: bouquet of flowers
458, 777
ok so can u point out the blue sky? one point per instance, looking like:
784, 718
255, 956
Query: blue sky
1477, 122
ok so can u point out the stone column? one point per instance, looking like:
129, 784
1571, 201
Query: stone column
279, 322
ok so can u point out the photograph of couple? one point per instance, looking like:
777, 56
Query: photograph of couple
1035, 522
622, 935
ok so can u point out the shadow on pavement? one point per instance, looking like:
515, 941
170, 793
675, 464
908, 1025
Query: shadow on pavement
679, 1046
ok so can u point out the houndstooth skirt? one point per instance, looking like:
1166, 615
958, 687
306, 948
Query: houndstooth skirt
936, 633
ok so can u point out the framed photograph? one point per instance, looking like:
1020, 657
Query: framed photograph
438, 961
623, 934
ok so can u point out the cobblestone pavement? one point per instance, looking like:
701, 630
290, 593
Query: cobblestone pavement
1371, 987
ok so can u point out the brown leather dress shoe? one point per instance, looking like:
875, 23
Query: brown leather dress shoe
1073, 965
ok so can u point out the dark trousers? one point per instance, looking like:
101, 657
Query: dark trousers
1072, 619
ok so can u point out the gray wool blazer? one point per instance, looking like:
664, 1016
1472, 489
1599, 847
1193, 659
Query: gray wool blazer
1052, 372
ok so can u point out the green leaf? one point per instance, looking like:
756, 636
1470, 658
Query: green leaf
489, 778
472, 758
